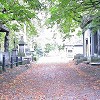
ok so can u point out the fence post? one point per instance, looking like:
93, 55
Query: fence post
21, 60
3, 65
16, 60
11, 62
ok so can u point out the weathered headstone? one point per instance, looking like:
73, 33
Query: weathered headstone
7, 58
14, 54
1, 57
21, 47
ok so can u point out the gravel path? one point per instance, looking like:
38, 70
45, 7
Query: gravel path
53, 81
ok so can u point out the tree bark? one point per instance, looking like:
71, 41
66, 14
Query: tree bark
6, 42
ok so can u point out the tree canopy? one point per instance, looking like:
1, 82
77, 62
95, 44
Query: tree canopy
20, 11
67, 14
15, 13
70, 14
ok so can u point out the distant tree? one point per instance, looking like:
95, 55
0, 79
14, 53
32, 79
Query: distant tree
49, 47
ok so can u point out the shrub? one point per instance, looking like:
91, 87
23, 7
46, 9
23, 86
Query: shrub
95, 59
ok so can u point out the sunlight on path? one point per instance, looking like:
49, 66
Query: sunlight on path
56, 59
55, 56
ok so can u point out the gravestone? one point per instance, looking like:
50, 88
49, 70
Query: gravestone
7, 57
1, 58
21, 47
14, 54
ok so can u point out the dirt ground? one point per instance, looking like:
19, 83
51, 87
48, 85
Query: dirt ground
51, 81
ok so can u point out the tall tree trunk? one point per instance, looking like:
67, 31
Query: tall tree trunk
6, 42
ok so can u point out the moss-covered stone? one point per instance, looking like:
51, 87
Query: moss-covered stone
95, 59
78, 56
0, 70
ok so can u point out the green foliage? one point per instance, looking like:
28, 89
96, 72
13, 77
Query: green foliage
30, 29
12, 36
20, 11
15, 13
2, 35
95, 59
60, 47
68, 14
79, 33
49, 47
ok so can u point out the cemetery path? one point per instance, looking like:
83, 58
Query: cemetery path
52, 81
